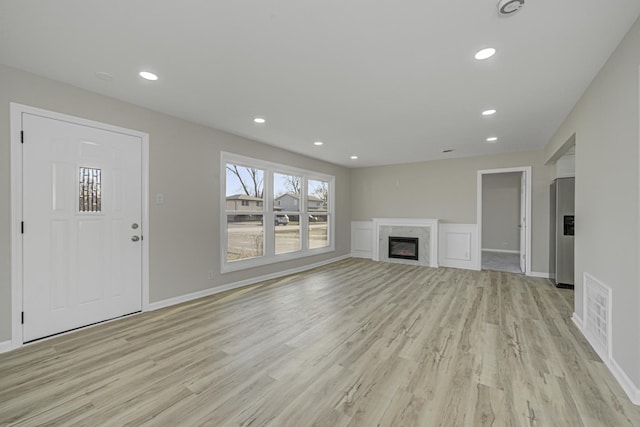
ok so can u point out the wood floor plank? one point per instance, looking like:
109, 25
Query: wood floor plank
354, 343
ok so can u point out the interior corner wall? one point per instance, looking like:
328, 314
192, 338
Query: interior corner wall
446, 190
605, 122
501, 211
184, 165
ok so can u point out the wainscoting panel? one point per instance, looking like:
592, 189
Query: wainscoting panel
458, 246
362, 239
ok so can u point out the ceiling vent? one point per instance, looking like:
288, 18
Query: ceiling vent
509, 7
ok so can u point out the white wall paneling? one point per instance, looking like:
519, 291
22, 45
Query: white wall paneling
362, 239
458, 246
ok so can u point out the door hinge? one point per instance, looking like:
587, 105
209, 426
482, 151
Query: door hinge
22, 317
22, 227
22, 137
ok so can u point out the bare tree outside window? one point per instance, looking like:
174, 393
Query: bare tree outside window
317, 206
287, 191
284, 184
293, 184
245, 212
251, 180
321, 191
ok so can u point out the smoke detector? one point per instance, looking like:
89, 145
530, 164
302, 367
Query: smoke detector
509, 7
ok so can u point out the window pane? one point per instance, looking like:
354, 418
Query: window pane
287, 232
286, 192
318, 196
245, 188
245, 237
295, 198
318, 230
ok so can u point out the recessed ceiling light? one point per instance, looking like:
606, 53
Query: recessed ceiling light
259, 120
492, 139
148, 76
318, 143
488, 112
485, 53
354, 157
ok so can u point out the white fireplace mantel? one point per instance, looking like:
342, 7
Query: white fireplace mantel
407, 222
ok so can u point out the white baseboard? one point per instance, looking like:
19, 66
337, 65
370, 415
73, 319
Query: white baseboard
539, 274
6, 346
235, 285
502, 251
577, 321
625, 382
632, 390
361, 254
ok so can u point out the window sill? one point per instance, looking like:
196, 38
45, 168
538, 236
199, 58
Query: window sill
228, 267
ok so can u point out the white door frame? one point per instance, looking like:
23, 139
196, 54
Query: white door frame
527, 171
16, 206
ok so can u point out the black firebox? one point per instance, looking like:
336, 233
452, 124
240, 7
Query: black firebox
403, 247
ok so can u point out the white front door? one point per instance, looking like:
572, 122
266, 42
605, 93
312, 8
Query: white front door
523, 222
82, 212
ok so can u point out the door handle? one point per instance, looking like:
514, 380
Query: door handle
135, 238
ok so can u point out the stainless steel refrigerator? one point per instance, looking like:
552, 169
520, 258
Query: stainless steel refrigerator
561, 226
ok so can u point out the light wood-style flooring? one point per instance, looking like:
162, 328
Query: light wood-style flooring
355, 343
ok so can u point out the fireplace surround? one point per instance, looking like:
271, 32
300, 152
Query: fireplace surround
426, 230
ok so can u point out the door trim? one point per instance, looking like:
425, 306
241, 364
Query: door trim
16, 111
527, 171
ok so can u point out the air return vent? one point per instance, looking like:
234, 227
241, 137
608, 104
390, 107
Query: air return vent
597, 316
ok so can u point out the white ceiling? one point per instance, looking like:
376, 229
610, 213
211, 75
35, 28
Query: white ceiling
389, 81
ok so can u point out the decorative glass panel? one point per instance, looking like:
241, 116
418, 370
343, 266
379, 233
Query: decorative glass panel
90, 199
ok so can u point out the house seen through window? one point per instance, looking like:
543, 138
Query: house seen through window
297, 221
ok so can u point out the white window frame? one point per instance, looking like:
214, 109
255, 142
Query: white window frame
268, 213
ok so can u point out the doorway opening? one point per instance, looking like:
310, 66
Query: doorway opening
504, 210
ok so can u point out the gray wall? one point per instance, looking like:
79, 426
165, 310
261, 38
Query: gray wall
605, 123
501, 211
446, 189
184, 165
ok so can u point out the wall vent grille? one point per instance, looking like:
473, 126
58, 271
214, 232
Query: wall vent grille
597, 312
